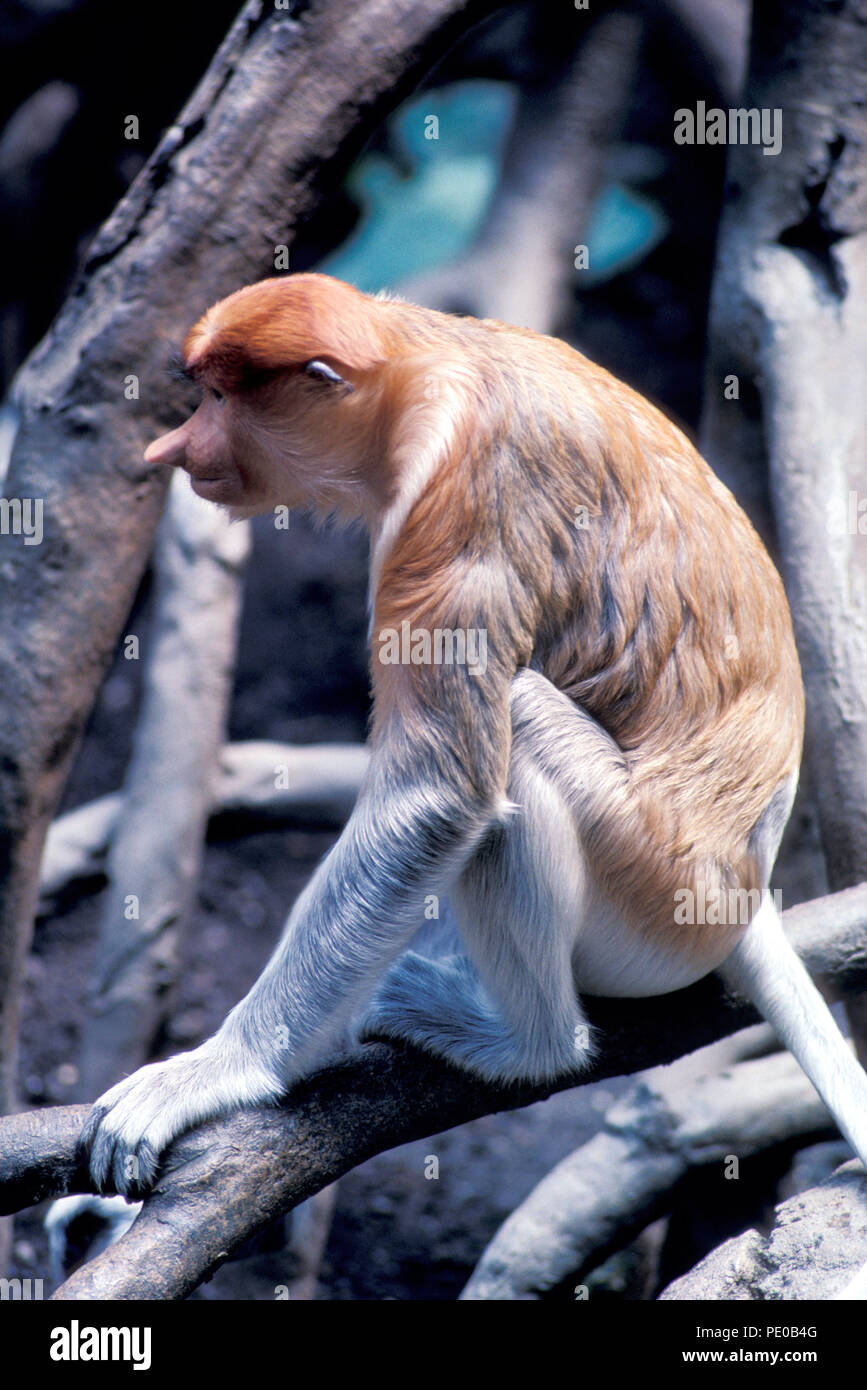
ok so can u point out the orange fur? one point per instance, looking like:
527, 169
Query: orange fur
282, 323
659, 612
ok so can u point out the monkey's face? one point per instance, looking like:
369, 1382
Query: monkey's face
202, 446
300, 436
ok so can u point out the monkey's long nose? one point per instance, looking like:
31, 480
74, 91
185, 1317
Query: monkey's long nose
169, 448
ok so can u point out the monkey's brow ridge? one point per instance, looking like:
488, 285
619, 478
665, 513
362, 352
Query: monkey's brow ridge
177, 368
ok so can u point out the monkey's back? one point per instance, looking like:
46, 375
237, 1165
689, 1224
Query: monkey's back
631, 577
679, 642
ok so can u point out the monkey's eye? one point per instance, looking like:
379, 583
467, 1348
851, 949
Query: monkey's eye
321, 371
217, 395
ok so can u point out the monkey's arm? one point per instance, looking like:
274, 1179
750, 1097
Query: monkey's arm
416, 823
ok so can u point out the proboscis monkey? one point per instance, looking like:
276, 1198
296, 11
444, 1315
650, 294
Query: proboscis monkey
601, 797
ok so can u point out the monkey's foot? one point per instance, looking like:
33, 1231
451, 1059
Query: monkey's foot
442, 1006
131, 1124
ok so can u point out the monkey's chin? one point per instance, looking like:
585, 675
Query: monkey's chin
230, 494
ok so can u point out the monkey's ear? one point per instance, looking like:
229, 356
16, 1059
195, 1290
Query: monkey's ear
320, 371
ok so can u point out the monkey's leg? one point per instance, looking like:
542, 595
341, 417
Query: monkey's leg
443, 1007
519, 904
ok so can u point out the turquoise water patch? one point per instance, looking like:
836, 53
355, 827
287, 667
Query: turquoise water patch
412, 222
624, 227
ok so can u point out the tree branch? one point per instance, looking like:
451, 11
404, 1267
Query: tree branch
827, 1220
258, 782
555, 159
607, 1191
226, 1180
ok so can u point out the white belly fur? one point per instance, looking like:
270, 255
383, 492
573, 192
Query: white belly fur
610, 958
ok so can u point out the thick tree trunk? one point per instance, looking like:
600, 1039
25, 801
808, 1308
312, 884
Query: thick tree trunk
289, 93
789, 317
156, 850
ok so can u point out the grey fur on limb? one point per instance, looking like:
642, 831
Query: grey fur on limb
225, 1180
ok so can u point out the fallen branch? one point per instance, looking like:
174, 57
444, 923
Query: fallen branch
608, 1190
256, 782
224, 1181
828, 1221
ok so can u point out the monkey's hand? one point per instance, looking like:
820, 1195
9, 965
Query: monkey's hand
132, 1123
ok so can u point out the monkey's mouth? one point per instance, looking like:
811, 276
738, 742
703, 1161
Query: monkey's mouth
205, 483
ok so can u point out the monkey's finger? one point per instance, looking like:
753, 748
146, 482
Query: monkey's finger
89, 1129
94, 1148
101, 1162
134, 1168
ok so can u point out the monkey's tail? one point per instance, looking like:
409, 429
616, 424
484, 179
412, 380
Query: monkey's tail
767, 970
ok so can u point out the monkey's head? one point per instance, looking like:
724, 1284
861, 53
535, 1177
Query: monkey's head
297, 402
